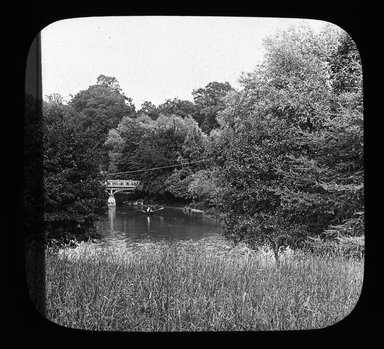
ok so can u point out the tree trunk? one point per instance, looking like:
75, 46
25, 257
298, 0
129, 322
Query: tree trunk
275, 248
277, 259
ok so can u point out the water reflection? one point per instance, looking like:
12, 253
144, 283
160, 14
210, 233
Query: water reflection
149, 224
123, 225
111, 217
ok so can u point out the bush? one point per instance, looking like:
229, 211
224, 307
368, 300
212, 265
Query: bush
346, 246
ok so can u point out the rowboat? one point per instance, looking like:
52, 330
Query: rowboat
149, 210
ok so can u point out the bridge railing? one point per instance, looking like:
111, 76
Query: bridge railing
122, 183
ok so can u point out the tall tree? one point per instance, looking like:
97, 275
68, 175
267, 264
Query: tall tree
142, 143
345, 66
109, 81
294, 164
148, 108
100, 108
209, 101
124, 142
191, 159
74, 196
177, 107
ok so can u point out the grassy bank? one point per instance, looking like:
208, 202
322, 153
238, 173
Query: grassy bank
197, 287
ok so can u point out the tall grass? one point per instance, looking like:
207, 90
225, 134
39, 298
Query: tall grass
197, 287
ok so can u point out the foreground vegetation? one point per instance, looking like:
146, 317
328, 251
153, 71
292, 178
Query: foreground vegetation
198, 287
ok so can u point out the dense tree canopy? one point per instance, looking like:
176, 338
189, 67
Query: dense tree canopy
209, 101
74, 196
294, 166
281, 159
149, 109
143, 143
176, 106
99, 109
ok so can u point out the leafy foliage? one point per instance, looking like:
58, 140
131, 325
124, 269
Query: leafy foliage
100, 108
294, 164
178, 107
209, 101
74, 196
142, 143
192, 160
149, 109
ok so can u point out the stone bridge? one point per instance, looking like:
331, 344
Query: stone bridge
114, 186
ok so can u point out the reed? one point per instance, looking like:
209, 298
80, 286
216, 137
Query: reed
197, 287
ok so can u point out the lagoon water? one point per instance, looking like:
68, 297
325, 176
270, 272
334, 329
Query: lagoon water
127, 232
124, 225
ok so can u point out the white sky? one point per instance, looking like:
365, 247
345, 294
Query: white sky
154, 57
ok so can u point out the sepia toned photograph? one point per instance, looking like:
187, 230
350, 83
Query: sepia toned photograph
199, 173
